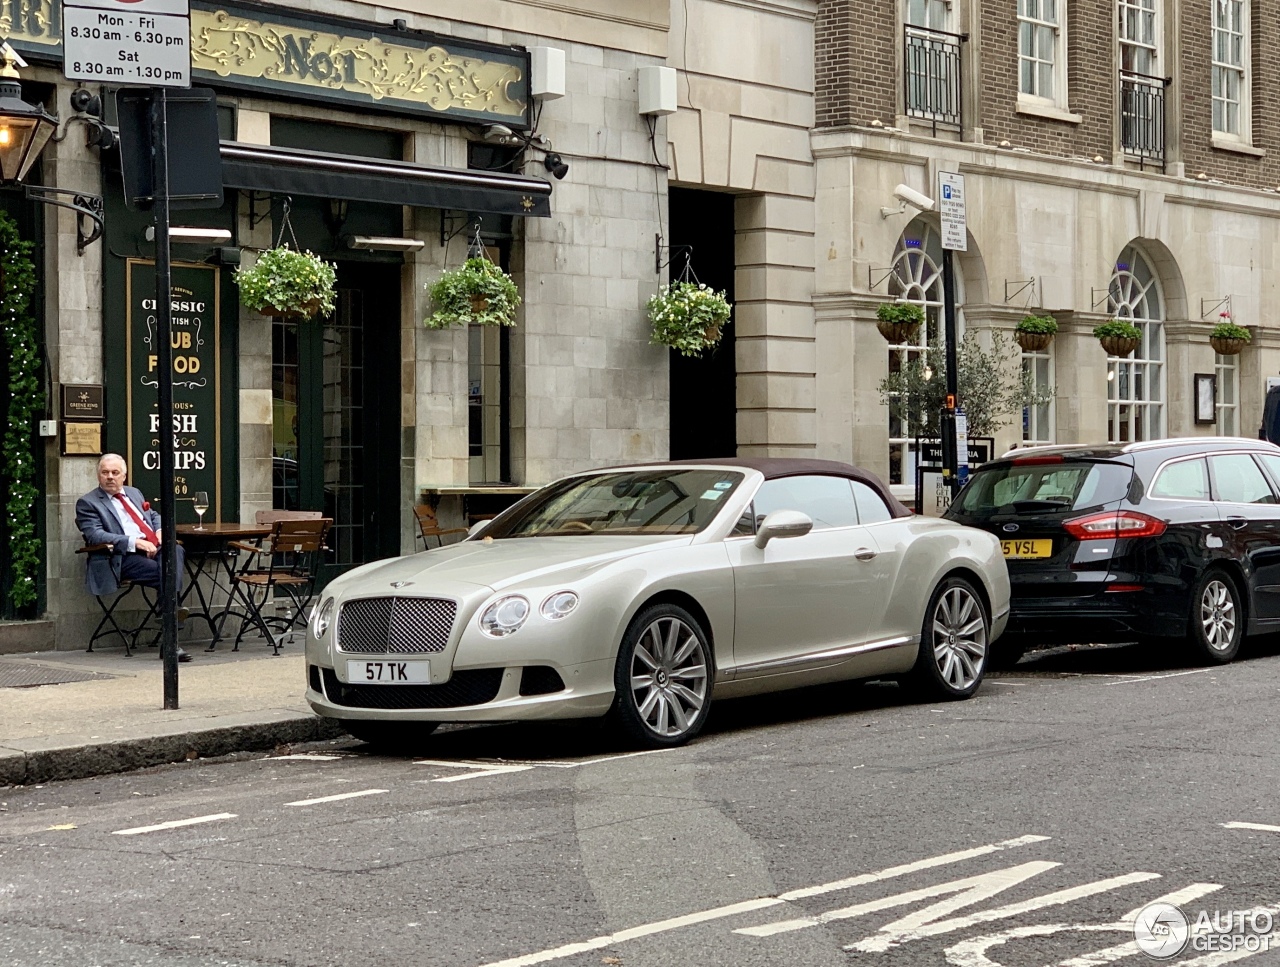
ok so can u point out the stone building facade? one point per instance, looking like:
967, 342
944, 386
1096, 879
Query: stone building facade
370, 412
1119, 159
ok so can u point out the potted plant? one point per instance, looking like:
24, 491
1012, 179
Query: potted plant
290, 283
1227, 338
1034, 333
1118, 338
898, 321
688, 316
477, 293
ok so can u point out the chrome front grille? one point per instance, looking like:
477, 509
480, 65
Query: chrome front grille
396, 626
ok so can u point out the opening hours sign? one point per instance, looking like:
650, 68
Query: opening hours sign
128, 42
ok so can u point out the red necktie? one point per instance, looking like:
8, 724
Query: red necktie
143, 526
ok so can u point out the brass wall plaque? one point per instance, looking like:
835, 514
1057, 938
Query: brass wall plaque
81, 439
83, 401
272, 51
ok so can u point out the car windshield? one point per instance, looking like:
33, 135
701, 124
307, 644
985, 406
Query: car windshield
1040, 488
667, 501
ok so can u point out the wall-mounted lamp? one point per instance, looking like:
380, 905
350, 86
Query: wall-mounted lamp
382, 243
192, 236
556, 165
500, 134
24, 128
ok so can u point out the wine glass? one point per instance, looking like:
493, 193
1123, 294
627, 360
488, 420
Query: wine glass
201, 505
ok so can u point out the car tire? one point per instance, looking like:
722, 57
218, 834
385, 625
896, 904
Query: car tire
662, 678
390, 736
954, 642
1215, 626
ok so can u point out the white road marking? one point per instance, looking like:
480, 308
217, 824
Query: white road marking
307, 757
173, 824
973, 952
1261, 827
593, 762
892, 936
484, 769
339, 796
747, 906
1178, 897
1152, 678
632, 933
970, 890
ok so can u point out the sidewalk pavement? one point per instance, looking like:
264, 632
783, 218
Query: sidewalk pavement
72, 714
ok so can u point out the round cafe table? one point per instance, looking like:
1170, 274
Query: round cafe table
203, 545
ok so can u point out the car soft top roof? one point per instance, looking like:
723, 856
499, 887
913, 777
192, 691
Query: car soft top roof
775, 467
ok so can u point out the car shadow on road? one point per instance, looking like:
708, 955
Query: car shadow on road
1132, 658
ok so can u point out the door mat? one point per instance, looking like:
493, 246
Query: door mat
24, 674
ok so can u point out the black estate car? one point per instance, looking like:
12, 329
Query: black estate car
1168, 539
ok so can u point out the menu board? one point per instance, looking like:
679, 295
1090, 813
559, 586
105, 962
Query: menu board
195, 339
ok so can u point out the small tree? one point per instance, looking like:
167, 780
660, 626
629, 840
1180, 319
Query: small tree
993, 387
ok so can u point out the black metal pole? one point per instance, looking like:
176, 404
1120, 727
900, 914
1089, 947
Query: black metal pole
950, 456
164, 352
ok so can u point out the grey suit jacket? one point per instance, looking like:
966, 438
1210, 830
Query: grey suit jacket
100, 525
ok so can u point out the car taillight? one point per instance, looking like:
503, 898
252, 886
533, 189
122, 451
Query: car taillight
1034, 461
1114, 523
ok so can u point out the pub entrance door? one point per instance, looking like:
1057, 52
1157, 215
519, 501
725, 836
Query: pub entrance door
336, 415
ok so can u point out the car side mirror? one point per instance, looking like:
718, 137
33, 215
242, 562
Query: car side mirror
475, 529
783, 523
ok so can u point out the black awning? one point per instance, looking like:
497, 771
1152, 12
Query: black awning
292, 171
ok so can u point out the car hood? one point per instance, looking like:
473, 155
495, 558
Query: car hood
498, 564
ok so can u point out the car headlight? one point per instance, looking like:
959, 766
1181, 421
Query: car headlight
559, 605
323, 616
505, 616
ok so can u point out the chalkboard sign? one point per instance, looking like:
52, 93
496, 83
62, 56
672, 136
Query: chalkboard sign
197, 384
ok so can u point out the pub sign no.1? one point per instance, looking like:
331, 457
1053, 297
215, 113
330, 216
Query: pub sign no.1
197, 395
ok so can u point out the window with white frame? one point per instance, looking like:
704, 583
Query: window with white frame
916, 278
1231, 68
1041, 56
1135, 383
1037, 421
1227, 407
930, 14
1139, 31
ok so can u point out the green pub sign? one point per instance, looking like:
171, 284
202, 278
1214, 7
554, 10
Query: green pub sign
197, 385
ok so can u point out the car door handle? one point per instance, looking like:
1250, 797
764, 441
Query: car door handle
1238, 522
864, 553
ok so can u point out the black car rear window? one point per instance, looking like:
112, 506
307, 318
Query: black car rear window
1038, 488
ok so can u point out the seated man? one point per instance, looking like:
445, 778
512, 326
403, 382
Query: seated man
114, 514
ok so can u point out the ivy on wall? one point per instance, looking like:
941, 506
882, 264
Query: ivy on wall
17, 284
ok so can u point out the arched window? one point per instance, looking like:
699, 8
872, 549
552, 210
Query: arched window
1135, 383
917, 278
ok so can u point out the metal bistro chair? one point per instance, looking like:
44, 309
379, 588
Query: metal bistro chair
429, 526
110, 623
292, 553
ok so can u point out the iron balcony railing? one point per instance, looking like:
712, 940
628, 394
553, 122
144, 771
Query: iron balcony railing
931, 75
1142, 114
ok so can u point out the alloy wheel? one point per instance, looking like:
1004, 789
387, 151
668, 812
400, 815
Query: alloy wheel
1218, 615
669, 677
959, 637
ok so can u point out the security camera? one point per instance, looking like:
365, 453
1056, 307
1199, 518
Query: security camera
909, 196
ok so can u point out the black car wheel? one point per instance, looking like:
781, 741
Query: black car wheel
404, 737
953, 642
1216, 624
663, 677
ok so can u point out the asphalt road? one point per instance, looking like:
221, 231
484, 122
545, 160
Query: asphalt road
1024, 828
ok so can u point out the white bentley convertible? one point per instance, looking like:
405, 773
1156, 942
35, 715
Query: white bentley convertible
643, 592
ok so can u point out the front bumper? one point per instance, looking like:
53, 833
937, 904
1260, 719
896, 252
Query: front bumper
469, 695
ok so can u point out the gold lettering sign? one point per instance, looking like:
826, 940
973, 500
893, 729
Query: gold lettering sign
314, 57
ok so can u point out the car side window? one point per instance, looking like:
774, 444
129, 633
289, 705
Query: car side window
871, 506
1184, 480
746, 525
828, 500
1238, 480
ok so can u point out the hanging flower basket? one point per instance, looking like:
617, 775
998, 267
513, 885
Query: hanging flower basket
478, 293
1118, 338
289, 283
1035, 333
899, 322
1229, 339
688, 317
